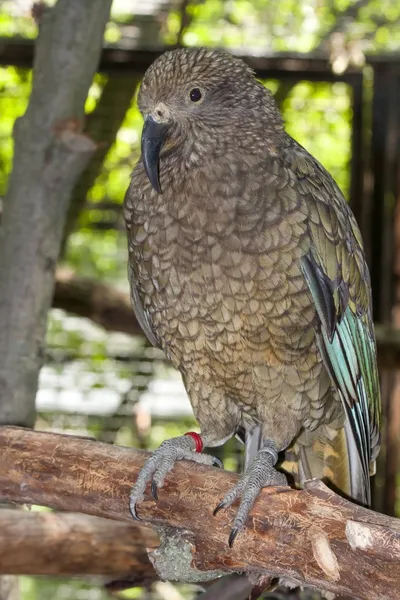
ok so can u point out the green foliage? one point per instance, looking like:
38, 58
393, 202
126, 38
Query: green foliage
49, 588
91, 349
14, 91
294, 27
16, 22
95, 92
98, 254
319, 117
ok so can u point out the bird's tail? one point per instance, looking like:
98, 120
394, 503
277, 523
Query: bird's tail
332, 457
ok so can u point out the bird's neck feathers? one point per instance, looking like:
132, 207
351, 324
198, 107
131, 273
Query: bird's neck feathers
198, 143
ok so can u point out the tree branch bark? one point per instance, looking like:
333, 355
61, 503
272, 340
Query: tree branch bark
311, 537
83, 545
102, 126
50, 154
95, 300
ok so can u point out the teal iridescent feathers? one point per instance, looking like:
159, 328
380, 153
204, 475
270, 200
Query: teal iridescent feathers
347, 345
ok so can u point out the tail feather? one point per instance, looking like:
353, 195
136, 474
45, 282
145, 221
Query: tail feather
360, 487
333, 458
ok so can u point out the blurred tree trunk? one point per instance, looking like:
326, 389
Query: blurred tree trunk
50, 154
392, 409
105, 121
102, 126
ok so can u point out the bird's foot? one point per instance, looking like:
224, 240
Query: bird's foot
261, 473
162, 461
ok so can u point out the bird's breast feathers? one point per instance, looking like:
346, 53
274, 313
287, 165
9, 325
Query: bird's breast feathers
217, 274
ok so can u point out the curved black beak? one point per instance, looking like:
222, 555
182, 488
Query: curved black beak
153, 135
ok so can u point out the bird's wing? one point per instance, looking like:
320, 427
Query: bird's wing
337, 276
141, 314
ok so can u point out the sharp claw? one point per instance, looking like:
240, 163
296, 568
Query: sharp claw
154, 490
217, 462
219, 507
132, 510
232, 536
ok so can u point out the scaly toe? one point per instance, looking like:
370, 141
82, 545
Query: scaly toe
232, 536
132, 510
261, 473
220, 506
231, 496
217, 462
154, 490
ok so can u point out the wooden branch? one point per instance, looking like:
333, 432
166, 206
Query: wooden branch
83, 545
135, 61
311, 537
95, 300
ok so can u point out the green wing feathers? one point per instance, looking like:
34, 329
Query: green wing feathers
337, 275
346, 342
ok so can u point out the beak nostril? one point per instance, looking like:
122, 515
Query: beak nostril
159, 113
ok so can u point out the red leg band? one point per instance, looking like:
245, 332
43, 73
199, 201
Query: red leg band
197, 440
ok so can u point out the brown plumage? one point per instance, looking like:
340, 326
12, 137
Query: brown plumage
248, 271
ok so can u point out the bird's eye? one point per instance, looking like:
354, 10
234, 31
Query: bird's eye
195, 95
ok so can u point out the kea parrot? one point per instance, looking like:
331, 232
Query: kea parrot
246, 267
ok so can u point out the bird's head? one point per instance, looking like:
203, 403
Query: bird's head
208, 93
